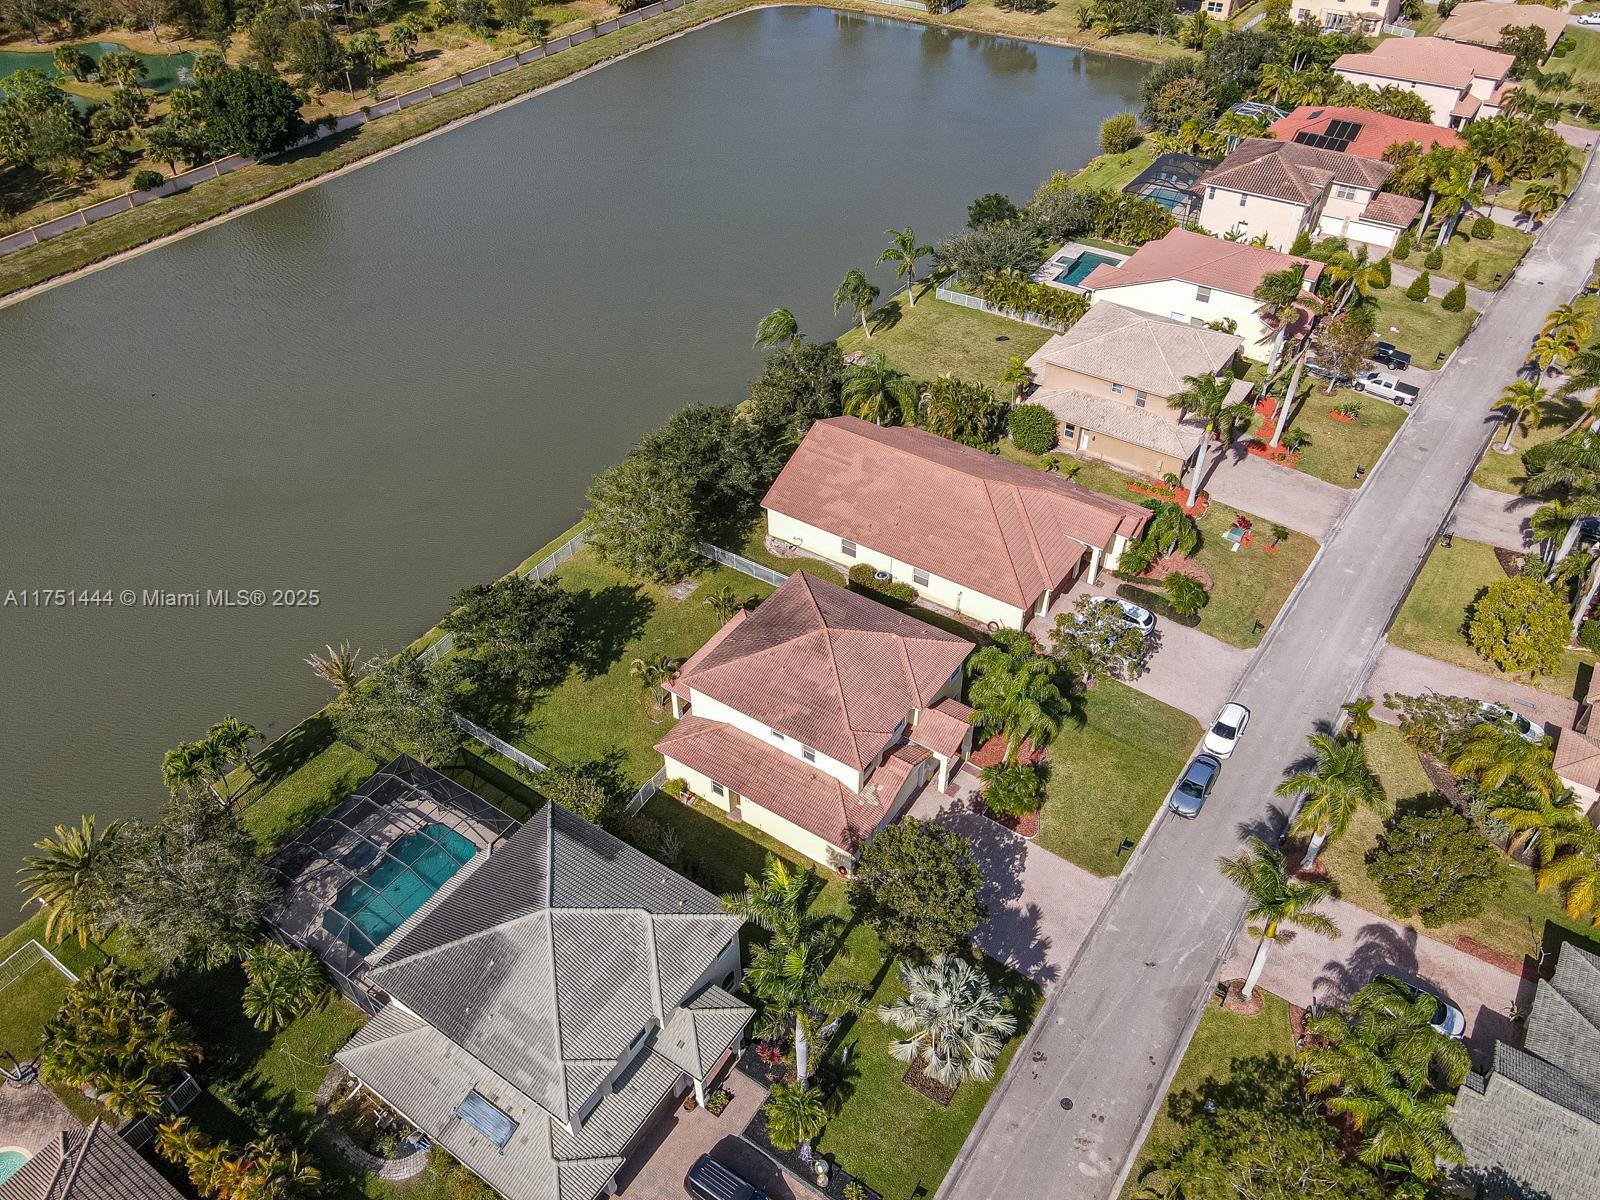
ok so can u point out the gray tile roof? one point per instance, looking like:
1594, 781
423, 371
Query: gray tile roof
696, 1034
1530, 1126
1155, 430
87, 1164
1140, 350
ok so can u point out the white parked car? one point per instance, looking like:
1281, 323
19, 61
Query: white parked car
1140, 618
1589, 18
1227, 729
1524, 728
1380, 383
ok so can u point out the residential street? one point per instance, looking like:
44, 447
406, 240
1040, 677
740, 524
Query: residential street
1072, 1109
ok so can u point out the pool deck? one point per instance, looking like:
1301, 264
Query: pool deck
1064, 257
31, 1118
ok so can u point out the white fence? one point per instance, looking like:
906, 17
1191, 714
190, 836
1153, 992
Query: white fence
25, 958
185, 180
728, 558
951, 296
139, 1133
499, 745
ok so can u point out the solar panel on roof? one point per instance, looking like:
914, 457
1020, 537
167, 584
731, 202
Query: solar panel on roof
488, 1120
1337, 136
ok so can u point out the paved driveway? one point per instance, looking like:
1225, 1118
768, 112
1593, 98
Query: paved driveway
1310, 969
1407, 672
1293, 498
1483, 515
1040, 907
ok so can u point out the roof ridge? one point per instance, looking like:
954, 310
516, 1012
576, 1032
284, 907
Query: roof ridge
999, 525
550, 961
81, 1154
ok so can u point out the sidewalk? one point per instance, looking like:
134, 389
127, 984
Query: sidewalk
1401, 278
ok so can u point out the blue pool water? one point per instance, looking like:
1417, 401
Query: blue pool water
1081, 266
10, 1163
372, 906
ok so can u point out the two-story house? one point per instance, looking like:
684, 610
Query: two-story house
1458, 80
1279, 190
1109, 377
984, 537
1202, 280
1359, 131
1367, 17
1482, 22
818, 715
548, 1004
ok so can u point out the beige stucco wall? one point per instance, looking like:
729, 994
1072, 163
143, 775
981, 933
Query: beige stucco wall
1177, 299
1364, 11
1440, 99
1093, 444
1222, 212
1051, 376
1383, 237
946, 593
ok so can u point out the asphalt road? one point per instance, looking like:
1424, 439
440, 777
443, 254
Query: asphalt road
1072, 1109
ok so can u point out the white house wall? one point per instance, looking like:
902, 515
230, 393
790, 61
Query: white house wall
1177, 299
1441, 100
1280, 220
813, 847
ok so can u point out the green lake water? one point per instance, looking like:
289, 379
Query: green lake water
166, 71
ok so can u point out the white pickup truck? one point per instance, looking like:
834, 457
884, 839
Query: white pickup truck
1381, 383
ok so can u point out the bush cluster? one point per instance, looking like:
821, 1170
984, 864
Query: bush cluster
864, 579
1033, 428
1483, 229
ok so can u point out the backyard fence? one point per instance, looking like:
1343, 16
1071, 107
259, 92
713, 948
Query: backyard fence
738, 562
951, 296
140, 1132
185, 180
499, 745
25, 958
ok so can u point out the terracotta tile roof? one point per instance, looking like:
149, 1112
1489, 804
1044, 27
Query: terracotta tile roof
1150, 353
1387, 208
676, 685
995, 526
1151, 428
828, 667
1467, 106
1290, 171
1427, 60
943, 728
1481, 22
778, 782
1235, 267
1378, 131
1578, 759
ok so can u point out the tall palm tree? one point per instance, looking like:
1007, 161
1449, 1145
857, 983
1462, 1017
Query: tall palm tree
778, 901
1208, 398
272, 1171
1549, 350
1339, 784
778, 328
1574, 322
68, 878
904, 251
877, 392
1017, 376
1359, 720
342, 668
1540, 202
1536, 821
1172, 531
859, 293
1280, 294
233, 739
1520, 402
795, 1114
956, 1021
184, 767
1495, 755
1274, 900
1356, 276
1574, 867
787, 977
1017, 697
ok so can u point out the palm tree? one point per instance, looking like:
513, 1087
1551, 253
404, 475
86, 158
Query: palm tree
1274, 900
1017, 377
778, 328
1540, 202
1171, 530
1209, 398
877, 392
1357, 274
184, 766
1280, 296
1186, 594
1536, 821
860, 294
68, 878
177, 1140
956, 1020
342, 668
786, 976
1016, 695
1574, 867
1495, 755
282, 984
903, 251
777, 902
1339, 784
1520, 402
1359, 720
1571, 322
723, 604
795, 1114
271, 1171
652, 673
233, 739
1549, 350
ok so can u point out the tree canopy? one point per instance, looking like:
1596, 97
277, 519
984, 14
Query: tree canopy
918, 886
1437, 866
516, 628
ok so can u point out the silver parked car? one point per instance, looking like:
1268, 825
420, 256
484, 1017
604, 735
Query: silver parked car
1447, 1018
1520, 725
1194, 785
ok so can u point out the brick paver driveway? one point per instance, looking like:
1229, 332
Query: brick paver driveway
1408, 673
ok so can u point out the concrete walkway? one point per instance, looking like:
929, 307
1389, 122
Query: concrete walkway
1289, 497
1400, 278
1500, 519
1040, 907
1311, 970
1409, 673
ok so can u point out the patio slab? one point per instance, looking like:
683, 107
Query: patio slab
31, 1117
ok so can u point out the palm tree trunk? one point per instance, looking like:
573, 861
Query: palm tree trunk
1256, 966
1427, 211
1511, 426
1567, 543
911, 289
1277, 347
1288, 400
864, 329
802, 1052
1314, 848
1199, 466
1586, 599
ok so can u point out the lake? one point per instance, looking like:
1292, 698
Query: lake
400, 382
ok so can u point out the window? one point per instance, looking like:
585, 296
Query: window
847, 547
807, 753
1242, 199
1069, 433
488, 1119
1178, 316
1211, 192
1202, 294
919, 577
776, 736
718, 790
1215, 6
1116, 389
1344, 191
1139, 398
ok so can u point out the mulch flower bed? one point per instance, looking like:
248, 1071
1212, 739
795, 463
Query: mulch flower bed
1506, 962
940, 1093
993, 750
1280, 454
768, 1075
1180, 496
1024, 826
1177, 564
757, 1134
1510, 561
1444, 782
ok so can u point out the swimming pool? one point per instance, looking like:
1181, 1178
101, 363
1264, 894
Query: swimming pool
11, 1162
376, 903
1081, 266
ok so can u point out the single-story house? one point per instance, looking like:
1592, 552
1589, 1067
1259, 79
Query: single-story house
1359, 131
1480, 22
548, 1004
1529, 1126
1354, 16
1205, 281
984, 537
1458, 80
818, 715
1279, 190
1108, 379
87, 1164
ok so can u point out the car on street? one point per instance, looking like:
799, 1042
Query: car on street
1385, 354
1591, 18
1140, 618
1380, 383
1524, 728
710, 1180
1447, 1018
1226, 730
1194, 785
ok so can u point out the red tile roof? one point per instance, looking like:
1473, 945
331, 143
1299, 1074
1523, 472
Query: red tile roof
828, 667
1428, 60
944, 727
1386, 208
995, 526
1378, 131
1290, 171
1236, 267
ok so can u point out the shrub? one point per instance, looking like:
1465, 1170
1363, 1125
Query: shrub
864, 579
1589, 635
1011, 791
1436, 865
1471, 271
1419, 287
1455, 299
1520, 624
1434, 259
1483, 229
1185, 594
146, 179
1033, 428
1404, 244
1119, 133
1302, 243
1385, 273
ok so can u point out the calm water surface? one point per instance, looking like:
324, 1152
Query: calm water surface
400, 382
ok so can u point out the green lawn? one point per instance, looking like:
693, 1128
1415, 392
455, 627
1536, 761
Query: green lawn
934, 337
1504, 472
1495, 258
1220, 1040
1582, 61
1115, 171
1423, 330
34, 997
754, 546
305, 795
1338, 447
1515, 924
1109, 774
1434, 615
